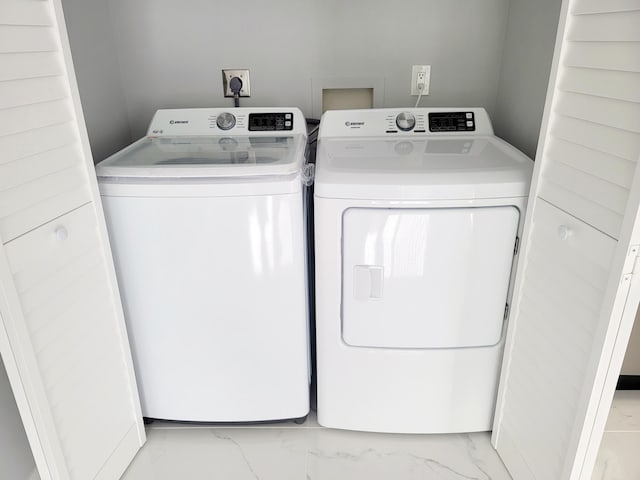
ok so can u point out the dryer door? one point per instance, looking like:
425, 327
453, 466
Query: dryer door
426, 278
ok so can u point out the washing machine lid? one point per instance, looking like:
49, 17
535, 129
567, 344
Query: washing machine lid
421, 168
280, 154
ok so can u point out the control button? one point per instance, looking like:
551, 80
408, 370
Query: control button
226, 121
287, 123
469, 123
405, 121
469, 115
287, 116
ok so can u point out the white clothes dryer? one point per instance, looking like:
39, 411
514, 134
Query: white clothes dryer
417, 220
206, 221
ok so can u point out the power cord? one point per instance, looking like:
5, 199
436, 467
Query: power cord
235, 84
420, 87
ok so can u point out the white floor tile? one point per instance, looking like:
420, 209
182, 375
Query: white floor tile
282, 451
310, 452
618, 457
625, 412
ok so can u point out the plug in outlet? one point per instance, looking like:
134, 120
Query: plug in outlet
420, 77
243, 75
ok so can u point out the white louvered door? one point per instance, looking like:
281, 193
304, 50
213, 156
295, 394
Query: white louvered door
62, 334
576, 291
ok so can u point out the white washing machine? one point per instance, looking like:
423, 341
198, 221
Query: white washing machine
417, 219
206, 221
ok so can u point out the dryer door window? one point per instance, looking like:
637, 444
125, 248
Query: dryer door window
426, 278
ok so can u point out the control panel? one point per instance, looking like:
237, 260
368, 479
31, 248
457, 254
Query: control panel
409, 122
270, 121
261, 121
404, 122
452, 122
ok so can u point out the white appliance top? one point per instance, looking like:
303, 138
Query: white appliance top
214, 143
417, 154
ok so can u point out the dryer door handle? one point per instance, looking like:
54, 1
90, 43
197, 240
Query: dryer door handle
368, 282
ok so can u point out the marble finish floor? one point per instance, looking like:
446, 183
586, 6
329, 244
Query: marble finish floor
309, 452
287, 451
619, 456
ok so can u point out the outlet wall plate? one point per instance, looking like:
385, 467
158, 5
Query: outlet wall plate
416, 70
242, 74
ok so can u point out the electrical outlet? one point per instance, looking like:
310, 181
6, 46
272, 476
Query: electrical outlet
243, 75
420, 74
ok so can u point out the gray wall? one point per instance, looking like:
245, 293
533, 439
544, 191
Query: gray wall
528, 51
132, 58
16, 460
171, 52
98, 72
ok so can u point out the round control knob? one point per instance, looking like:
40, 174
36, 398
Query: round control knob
226, 121
405, 121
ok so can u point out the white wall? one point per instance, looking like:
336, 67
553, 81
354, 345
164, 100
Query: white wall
171, 52
98, 72
16, 460
528, 52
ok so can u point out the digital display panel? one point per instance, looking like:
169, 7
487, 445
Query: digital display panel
452, 122
262, 122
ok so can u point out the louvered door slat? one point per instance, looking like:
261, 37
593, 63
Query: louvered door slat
606, 194
43, 319
594, 214
25, 220
35, 142
14, 66
15, 93
37, 166
29, 117
25, 12
622, 56
609, 168
586, 7
604, 111
26, 206
612, 84
601, 138
554, 306
606, 27
15, 39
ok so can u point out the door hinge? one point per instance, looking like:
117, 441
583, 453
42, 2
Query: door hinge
517, 246
631, 260
506, 312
